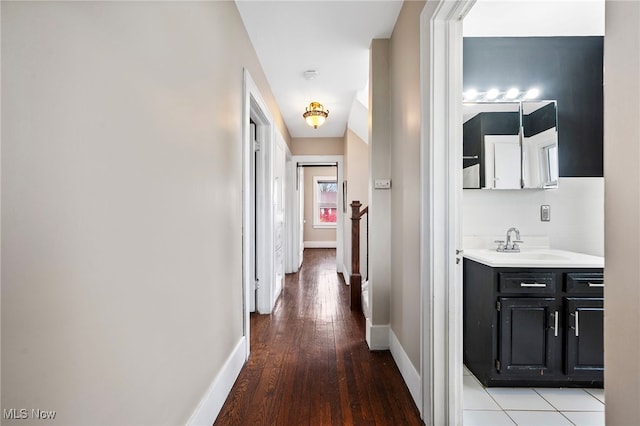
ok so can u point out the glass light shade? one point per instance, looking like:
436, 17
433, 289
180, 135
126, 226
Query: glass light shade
315, 120
315, 114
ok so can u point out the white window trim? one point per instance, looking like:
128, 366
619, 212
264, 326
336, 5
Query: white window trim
316, 222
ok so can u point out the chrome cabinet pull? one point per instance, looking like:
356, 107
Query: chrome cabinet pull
522, 284
595, 284
577, 331
555, 323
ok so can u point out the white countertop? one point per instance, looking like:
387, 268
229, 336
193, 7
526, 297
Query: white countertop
534, 258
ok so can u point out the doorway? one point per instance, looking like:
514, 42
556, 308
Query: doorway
302, 169
441, 32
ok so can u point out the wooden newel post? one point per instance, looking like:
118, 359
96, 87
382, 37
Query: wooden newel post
356, 279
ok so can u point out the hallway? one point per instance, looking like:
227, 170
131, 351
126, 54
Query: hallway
310, 364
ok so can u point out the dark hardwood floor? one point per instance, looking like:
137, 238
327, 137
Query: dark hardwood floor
310, 364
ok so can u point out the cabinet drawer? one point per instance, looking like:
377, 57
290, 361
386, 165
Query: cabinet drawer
584, 282
527, 282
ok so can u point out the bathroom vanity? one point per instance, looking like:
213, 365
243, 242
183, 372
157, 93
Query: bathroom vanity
534, 318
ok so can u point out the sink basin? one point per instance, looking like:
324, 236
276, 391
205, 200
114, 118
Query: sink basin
539, 258
533, 256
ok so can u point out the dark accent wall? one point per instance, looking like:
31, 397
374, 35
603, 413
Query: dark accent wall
538, 121
567, 69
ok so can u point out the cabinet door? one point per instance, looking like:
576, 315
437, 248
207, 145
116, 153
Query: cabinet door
529, 335
585, 342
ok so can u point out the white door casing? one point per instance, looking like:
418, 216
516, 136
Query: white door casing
440, 217
300, 218
291, 205
297, 224
294, 225
269, 204
281, 151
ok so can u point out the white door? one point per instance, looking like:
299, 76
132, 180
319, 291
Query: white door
300, 214
279, 217
253, 219
503, 164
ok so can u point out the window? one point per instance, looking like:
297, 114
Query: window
551, 164
325, 202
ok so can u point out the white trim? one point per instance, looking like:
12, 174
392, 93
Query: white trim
346, 274
211, 403
254, 107
377, 336
338, 159
248, 87
316, 180
290, 222
320, 244
441, 188
409, 373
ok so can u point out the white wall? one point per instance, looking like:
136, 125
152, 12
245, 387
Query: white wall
530, 18
577, 214
121, 205
622, 247
356, 165
405, 104
379, 199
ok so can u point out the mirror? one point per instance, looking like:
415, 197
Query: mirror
539, 144
510, 145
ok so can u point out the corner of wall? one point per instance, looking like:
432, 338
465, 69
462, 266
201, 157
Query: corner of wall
377, 336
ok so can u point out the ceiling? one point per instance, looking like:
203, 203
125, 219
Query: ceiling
331, 37
535, 18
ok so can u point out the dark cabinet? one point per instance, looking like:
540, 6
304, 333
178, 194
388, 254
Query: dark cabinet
528, 329
585, 343
533, 326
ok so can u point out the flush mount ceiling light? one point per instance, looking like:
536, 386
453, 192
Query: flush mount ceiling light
315, 114
310, 74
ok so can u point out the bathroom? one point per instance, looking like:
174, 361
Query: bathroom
551, 47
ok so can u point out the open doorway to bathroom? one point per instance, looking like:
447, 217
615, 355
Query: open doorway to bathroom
527, 46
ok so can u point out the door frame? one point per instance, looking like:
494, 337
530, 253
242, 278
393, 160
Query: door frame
440, 213
254, 107
294, 225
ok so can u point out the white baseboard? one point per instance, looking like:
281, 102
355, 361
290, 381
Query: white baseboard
213, 400
320, 244
346, 274
409, 373
377, 336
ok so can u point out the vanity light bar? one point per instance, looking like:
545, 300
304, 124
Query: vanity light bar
496, 95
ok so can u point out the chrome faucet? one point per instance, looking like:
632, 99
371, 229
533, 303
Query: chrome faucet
511, 246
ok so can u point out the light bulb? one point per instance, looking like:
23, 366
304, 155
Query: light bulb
492, 94
532, 93
470, 94
512, 93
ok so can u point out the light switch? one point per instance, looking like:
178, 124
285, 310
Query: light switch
382, 184
545, 213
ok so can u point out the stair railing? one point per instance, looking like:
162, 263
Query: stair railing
355, 280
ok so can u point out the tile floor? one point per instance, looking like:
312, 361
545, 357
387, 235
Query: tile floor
530, 406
